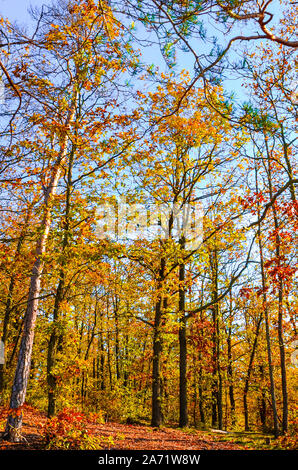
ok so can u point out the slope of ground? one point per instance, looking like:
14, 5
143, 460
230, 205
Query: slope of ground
140, 437
123, 436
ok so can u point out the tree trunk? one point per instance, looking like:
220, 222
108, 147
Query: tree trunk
156, 419
109, 352
262, 405
183, 418
282, 360
265, 309
230, 378
156, 389
216, 379
249, 371
280, 328
8, 304
280, 299
52, 350
117, 342
125, 365
201, 398
101, 375
55, 338
19, 388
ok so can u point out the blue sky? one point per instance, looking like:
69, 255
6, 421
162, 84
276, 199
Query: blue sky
18, 9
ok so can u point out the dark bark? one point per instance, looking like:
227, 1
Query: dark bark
101, 374
183, 417
156, 419
117, 342
230, 362
201, 398
55, 341
195, 392
109, 352
53, 349
270, 365
249, 371
280, 299
282, 359
216, 379
265, 310
262, 402
125, 365
230, 378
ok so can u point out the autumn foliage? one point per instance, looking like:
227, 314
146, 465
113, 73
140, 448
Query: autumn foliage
103, 318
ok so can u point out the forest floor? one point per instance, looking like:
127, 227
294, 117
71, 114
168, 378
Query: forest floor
139, 437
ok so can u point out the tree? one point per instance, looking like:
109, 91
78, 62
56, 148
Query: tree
77, 37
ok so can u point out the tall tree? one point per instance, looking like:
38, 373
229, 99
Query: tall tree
74, 35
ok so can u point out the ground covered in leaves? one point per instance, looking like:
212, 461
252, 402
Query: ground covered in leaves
131, 436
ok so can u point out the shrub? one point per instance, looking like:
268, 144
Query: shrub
68, 431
